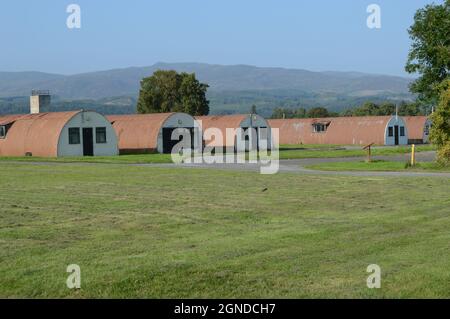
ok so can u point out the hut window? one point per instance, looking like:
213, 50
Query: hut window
74, 135
427, 130
2, 131
100, 135
390, 131
402, 131
319, 127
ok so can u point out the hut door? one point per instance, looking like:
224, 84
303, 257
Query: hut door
251, 138
168, 143
88, 141
246, 137
396, 133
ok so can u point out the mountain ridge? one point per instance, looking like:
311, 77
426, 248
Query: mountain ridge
233, 88
125, 81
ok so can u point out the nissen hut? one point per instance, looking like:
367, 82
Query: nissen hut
55, 134
226, 126
151, 133
418, 129
381, 130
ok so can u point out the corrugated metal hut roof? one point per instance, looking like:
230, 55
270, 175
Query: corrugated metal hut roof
415, 125
341, 130
7, 119
37, 134
222, 122
138, 131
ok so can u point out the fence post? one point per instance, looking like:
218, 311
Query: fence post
413, 155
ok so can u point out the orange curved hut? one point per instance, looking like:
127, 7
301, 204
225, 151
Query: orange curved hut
149, 133
418, 129
76, 133
381, 130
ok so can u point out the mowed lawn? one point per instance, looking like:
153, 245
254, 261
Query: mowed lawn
311, 151
159, 232
379, 165
286, 152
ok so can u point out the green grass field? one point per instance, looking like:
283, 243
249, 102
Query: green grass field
385, 166
158, 232
286, 152
331, 151
122, 159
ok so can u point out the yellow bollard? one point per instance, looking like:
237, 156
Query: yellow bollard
413, 155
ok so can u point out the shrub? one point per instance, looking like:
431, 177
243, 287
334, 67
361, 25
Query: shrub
443, 155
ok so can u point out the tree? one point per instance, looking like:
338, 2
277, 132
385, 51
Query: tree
300, 113
430, 51
169, 91
253, 109
368, 108
286, 113
318, 112
409, 109
386, 108
193, 95
440, 130
277, 113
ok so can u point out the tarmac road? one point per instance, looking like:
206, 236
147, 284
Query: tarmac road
298, 166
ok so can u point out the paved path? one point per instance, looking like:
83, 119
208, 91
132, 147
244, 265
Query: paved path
298, 166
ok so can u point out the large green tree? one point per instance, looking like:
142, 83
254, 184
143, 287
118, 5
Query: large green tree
430, 51
169, 91
440, 130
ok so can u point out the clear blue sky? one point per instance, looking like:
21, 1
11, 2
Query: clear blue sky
315, 35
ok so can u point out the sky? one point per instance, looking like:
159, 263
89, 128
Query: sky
317, 35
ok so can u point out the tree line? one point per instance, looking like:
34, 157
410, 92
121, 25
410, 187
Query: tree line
367, 109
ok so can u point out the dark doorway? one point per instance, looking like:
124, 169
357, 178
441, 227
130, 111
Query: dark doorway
396, 134
168, 143
88, 141
246, 133
249, 144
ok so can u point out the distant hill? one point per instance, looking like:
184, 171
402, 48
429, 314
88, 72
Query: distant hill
232, 88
